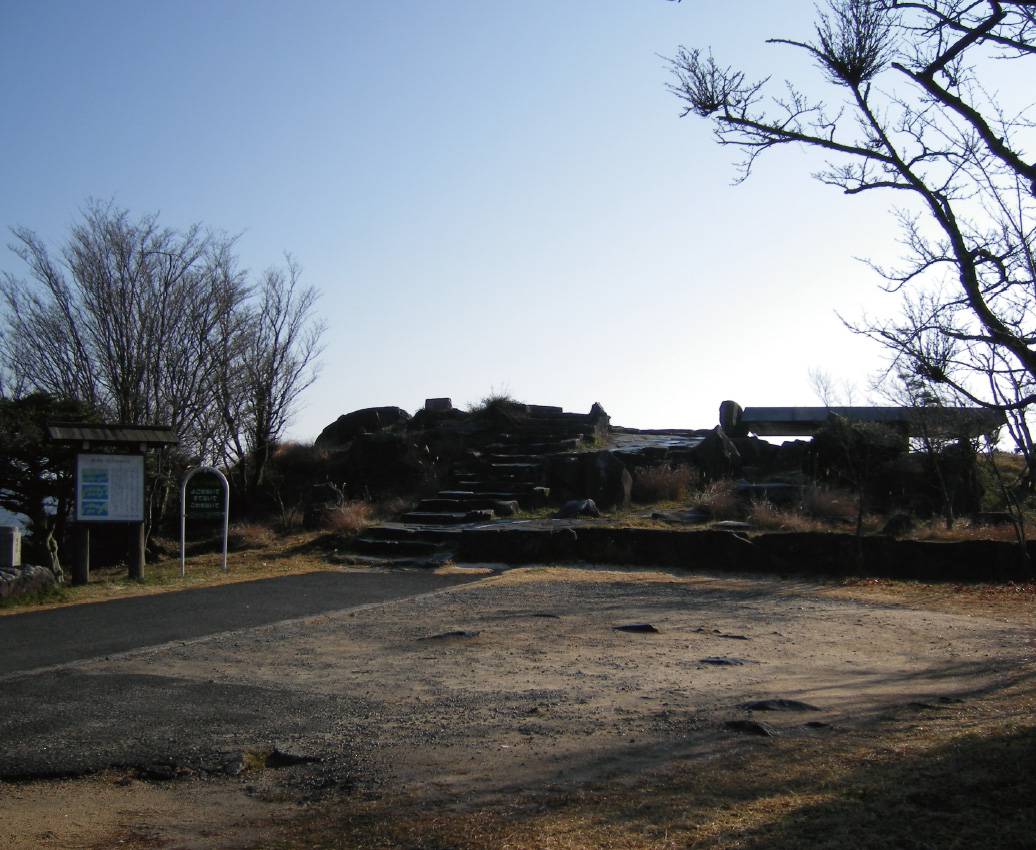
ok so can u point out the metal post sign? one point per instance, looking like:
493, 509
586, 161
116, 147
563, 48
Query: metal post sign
204, 494
109, 488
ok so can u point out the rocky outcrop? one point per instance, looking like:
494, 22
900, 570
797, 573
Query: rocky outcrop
505, 457
25, 579
349, 426
597, 475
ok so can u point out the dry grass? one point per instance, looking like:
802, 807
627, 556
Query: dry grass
827, 504
768, 517
965, 529
350, 517
719, 500
251, 535
663, 483
391, 508
296, 553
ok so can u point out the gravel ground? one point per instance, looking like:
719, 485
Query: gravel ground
523, 679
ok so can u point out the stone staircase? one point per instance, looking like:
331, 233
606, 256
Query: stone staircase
505, 471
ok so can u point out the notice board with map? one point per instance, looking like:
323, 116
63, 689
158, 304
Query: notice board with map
109, 488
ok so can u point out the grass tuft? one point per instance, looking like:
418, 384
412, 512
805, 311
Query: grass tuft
251, 535
719, 500
663, 484
350, 517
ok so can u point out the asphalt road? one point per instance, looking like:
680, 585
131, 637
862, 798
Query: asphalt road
44, 639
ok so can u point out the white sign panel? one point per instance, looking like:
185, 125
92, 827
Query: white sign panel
110, 488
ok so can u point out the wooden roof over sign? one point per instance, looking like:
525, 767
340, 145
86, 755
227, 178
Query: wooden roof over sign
119, 436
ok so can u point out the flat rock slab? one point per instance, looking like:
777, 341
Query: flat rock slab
778, 705
752, 727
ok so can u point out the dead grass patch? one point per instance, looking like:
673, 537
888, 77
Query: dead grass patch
663, 483
828, 504
768, 517
250, 535
284, 555
966, 529
349, 517
719, 500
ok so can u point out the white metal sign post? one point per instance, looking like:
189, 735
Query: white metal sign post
205, 503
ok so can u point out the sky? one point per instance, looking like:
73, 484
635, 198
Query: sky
492, 197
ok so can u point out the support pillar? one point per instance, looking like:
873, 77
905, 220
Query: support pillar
136, 565
81, 570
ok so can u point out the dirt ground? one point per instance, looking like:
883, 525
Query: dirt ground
525, 680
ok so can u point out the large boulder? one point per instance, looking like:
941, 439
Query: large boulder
578, 508
380, 465
717, 457
606, 480
730, 414
600, 420
349, 426
25, 579
599, 475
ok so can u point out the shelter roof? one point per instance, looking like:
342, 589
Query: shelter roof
953, 422
119, 436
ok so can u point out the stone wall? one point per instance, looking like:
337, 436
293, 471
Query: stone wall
808, 553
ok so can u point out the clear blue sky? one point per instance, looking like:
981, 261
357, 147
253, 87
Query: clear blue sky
491, 196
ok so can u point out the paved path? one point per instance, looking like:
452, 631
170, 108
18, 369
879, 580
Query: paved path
42, 639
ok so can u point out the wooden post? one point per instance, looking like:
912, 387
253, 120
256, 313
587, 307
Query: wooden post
136, 566
81, 570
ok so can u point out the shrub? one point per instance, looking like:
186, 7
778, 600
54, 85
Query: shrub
663, 483
499, 407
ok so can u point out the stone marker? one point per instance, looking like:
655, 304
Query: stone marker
10, 546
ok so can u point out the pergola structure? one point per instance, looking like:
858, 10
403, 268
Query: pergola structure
945, 422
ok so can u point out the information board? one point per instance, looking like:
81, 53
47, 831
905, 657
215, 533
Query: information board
110, 488
203, 496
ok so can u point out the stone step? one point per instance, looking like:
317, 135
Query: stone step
534, 497
399, 531
544, 411
507, 459
536, 449
509, 468
442, 518
438, 505
485, 488
393, 548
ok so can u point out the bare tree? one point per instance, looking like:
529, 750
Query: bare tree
152, 325
274, 358
911, 116
832, 393
124, 318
